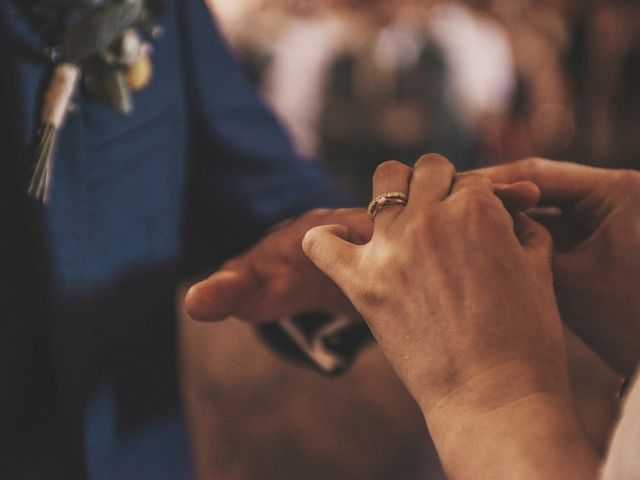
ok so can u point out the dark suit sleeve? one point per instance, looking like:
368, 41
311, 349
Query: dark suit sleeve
244, 159
246, 178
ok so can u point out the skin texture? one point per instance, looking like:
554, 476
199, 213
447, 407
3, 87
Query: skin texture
459, 294
597, 270
276, 279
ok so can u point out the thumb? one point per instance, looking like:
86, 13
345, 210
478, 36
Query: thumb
329, 247
220, 295
534, 237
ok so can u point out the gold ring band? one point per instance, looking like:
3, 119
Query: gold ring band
383, 201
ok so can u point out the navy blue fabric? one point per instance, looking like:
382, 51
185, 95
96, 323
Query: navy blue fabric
120, 185
160, 451
197, 173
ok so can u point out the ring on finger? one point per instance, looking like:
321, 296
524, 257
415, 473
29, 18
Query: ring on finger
385, 200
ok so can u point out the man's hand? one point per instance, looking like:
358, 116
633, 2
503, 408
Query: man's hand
275, 278
597, 275
460, 297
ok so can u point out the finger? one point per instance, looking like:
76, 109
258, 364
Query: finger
518, 197
560, 183
475, 189
534, 238
390, 176
221, 295
330, 249
431, 182
360, 226
472, 180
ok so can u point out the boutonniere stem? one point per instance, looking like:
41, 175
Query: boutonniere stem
57, 100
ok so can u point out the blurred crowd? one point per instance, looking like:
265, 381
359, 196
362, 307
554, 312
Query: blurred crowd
483, 82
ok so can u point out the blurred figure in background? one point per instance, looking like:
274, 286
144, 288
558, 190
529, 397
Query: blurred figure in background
604, 78
360, 82
577, 66
385, 97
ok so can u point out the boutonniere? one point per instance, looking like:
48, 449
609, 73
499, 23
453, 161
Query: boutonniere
108, 50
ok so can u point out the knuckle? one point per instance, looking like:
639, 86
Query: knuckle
531, 166
435, 160
427, 231
477, 180
388, 169
475, 200
478, 206
533, 163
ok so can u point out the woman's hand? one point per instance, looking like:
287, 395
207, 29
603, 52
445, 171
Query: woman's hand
460, 297
597, 273
447, 286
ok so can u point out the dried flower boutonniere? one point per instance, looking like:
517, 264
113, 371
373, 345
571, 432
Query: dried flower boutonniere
108, 50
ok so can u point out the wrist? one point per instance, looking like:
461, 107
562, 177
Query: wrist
497, 386
512, 421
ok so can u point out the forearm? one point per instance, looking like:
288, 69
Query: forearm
511, 434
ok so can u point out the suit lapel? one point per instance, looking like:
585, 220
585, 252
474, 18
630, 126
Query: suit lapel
26, 47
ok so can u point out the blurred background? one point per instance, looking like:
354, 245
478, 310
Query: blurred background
362, 81
358, 82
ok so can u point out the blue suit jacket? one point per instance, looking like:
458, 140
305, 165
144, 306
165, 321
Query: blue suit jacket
194, 175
